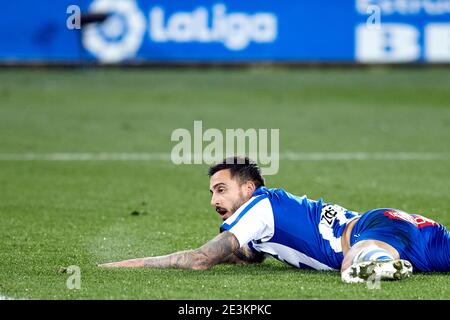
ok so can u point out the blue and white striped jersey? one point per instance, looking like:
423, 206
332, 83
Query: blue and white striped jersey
296, 230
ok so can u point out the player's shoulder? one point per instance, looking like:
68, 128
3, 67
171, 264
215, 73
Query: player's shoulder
257, 208
277, 193
282, 196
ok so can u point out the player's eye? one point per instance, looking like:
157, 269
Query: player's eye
221, 190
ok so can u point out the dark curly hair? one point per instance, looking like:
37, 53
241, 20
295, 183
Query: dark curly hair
242, 167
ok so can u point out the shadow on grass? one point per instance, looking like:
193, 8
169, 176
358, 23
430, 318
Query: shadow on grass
268, 269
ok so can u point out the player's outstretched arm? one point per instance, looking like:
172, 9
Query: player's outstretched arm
245, 255
211, 253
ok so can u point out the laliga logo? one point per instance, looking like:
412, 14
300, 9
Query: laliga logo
120, 36
234, 30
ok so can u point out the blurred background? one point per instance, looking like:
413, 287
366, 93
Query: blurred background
199, 31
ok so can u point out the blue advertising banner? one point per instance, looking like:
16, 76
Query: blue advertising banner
36, 31
367, 31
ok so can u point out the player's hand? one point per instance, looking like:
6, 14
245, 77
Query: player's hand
123, 264
108, 265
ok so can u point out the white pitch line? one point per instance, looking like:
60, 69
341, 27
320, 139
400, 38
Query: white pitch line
289, 156
101, 156
364, 156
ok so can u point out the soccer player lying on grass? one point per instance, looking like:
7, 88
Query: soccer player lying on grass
259, 222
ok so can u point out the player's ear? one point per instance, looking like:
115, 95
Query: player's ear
250, 187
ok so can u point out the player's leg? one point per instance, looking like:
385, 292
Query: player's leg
368, 250
382, 243
373, 259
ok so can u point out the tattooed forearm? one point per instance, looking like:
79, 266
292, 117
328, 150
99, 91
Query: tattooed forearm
183, 259
213, 252
210, 254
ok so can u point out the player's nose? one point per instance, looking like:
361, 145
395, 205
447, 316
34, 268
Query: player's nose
214, 201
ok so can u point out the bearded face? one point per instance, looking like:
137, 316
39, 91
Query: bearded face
229, 193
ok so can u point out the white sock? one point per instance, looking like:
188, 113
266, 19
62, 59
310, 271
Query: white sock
372, 253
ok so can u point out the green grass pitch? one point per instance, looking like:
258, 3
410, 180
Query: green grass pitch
59, 213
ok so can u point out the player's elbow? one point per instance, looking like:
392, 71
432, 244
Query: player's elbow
201, 262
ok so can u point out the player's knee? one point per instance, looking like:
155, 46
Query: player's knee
367, 250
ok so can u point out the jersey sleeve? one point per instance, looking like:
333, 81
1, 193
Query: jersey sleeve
252, 221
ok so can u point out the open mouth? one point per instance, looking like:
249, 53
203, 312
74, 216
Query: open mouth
221, 211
